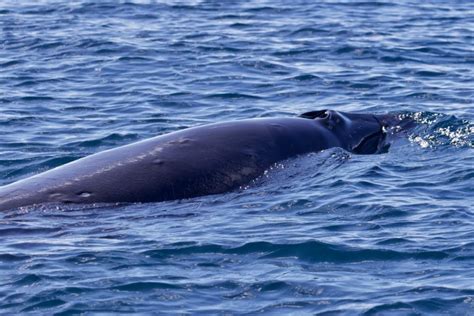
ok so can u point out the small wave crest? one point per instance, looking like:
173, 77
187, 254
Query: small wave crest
436, 130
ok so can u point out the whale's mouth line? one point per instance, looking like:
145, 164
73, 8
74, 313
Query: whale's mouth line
373, 143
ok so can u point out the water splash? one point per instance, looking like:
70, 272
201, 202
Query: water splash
436, 130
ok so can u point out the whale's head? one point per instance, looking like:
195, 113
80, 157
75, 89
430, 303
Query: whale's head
358, 133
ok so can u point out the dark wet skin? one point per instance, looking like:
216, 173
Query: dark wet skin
197, 161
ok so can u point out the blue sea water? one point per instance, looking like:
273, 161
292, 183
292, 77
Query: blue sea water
329, 233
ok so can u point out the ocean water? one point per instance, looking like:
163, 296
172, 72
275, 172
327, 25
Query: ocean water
329, 233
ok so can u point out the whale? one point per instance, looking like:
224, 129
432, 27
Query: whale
197, 161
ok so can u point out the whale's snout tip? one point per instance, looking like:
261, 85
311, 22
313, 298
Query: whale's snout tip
396, 123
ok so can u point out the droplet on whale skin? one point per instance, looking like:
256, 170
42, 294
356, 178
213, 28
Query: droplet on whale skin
85, 194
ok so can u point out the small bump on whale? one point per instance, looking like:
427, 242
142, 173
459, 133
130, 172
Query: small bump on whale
158, 162
180, 141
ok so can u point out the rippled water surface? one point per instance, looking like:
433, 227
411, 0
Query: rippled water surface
330, 233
